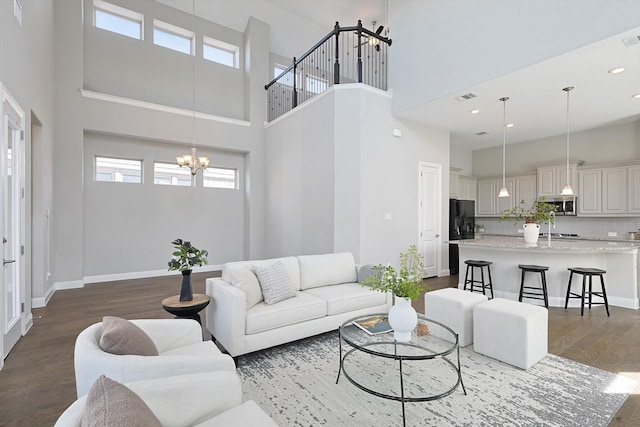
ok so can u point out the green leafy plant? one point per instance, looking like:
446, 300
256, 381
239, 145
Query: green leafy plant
186, 256
539, 212
407, 283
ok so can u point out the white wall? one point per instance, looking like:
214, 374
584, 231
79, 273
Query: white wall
441, 47
128, 227
299, 178
606, 144
233, 228
462, 157
26, 61
336, 170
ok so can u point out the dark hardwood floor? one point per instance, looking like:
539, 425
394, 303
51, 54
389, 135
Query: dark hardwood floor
37, 382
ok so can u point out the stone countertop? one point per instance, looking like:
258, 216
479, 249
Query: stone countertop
559, 244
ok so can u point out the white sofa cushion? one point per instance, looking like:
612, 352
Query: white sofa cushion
327, 269
245, 279
274, 282
290, 264
303, 307
247, 414
348, 297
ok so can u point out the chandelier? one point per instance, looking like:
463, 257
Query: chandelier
192, 161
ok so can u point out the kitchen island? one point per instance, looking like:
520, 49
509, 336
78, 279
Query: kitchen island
619, 259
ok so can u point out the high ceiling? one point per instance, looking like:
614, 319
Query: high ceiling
537, 105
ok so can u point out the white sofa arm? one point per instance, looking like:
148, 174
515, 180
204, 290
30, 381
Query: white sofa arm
168, 334
226, 315
178, 400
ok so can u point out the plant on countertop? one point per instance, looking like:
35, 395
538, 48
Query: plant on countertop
407, 283
186, 256
539, 212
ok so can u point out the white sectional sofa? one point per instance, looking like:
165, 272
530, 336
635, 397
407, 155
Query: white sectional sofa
327, 294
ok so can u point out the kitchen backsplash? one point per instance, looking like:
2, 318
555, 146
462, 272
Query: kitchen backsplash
582, 226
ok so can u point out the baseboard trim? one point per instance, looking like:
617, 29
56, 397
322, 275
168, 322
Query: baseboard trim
42, 301
71, 284
144, 274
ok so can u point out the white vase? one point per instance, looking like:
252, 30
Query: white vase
531, 232
403, 319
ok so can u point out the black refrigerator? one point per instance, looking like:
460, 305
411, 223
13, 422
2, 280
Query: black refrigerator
461, 226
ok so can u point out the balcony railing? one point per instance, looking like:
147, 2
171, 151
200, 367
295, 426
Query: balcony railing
345, 55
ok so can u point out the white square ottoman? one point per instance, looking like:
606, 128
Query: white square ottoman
510, 331
454, 308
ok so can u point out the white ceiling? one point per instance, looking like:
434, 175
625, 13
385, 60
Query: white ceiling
537, 104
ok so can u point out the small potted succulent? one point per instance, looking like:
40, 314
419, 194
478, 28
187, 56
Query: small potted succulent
185, 257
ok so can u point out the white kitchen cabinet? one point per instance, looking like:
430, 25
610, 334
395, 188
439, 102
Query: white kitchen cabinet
526, 189
633, 189
454, 182
487, 197
614, 190
467, 188
552, 179
590, 196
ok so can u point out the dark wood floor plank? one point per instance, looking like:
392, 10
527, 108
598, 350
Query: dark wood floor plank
37, 382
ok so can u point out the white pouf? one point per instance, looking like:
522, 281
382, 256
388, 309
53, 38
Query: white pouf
454, 308
510, 331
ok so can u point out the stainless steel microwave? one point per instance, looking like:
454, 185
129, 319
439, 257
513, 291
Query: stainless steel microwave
565, 205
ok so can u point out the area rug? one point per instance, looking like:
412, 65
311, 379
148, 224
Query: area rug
296, 385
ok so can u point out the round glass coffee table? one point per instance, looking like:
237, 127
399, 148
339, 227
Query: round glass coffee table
417, 371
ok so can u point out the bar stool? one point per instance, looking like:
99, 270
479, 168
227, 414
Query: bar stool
530, 291
480, 283
587, 272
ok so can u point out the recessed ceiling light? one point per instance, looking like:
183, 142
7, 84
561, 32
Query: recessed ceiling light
617, 70
510, 125
475, 111
636, 96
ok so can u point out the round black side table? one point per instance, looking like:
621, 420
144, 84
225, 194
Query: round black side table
186, 309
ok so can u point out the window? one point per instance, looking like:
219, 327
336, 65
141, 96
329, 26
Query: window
315, 84
118, 19
172, 37
287, 79
220, 52
109, 169
171, 174
220, 178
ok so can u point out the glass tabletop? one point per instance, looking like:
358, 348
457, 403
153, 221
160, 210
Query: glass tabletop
430, 339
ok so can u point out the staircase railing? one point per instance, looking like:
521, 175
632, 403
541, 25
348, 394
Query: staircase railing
345, 55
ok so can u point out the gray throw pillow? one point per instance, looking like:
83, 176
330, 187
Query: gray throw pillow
274, 282
365, 272
122, 337
110, 403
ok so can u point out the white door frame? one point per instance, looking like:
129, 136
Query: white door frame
9, 107
437, 205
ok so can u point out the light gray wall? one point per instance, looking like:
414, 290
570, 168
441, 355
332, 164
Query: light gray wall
119, 65
336, 170
462, 157
606, 144
128, 227
441, 47
299, 194
233, 229
26, 61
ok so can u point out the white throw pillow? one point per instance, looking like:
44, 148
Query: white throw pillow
245, 280
275, 283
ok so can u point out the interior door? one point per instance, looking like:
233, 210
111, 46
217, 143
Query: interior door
430, 206
11, 195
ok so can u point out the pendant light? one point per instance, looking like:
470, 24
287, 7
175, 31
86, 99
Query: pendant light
192, 161
567, 190
503, 190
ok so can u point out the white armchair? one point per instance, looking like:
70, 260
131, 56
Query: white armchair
180, 347
208, 399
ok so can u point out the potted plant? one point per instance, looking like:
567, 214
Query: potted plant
406, 286
538, 213
185, 257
